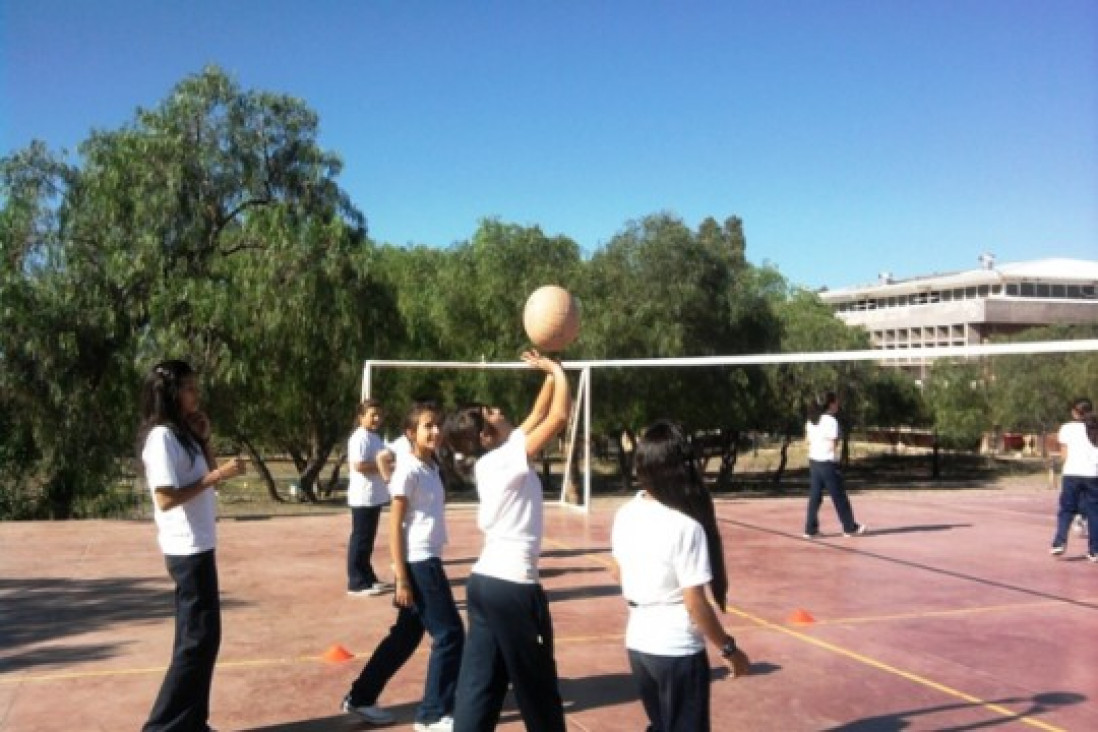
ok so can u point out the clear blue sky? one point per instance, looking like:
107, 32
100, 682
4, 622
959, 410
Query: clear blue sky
851, 136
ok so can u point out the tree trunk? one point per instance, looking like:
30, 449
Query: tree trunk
626, 449
261, 467
730, 440
783, 458
333, 477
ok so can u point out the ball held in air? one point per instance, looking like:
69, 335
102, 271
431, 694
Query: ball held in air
551, 318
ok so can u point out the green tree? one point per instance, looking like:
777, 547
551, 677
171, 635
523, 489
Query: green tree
152, 248
957, 396
1032, 393
808, 325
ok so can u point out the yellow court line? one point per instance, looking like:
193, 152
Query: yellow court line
872, 662
960, 611
73, 675
922, 680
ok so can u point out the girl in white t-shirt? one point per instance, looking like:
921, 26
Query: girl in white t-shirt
425, 602
174, 441
822, 431
510, 630
667, 550
1079, 480
367, 495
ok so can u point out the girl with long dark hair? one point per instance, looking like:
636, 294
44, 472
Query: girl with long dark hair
668, 550
176, 458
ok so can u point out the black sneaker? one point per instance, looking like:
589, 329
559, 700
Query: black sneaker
371, 713
858, 530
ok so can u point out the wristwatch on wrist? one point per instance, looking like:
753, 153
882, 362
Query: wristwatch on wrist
729, 648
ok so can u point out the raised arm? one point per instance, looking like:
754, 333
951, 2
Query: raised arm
550, 412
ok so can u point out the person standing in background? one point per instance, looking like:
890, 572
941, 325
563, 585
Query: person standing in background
1079, 476
822, 430
367, 494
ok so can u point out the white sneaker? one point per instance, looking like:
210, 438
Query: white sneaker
372, 713
444, 724
372, 591
861, 529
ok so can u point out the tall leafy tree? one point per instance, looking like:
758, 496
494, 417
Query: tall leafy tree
144, 251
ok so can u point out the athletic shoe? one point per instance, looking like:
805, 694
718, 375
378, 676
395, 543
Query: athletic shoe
1092, 557
371, 713
1079, 524
861, 529
445, 724
810, 535
383, 586
371, 591
1056, 550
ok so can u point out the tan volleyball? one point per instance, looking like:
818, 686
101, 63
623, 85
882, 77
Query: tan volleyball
551, 318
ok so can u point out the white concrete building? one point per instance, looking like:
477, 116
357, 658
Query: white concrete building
968, 307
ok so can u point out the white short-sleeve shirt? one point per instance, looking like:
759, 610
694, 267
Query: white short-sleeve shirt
189, 528
425, 520
1082, 456
821, 437
365, 490
510, 512
659, 551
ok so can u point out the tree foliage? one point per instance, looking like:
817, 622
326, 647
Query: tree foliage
212, 228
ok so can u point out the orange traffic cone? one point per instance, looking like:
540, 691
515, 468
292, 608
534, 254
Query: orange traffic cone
801, 617
337, 654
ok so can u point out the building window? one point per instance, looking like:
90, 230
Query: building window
983, 290
1012, 289
1074, 292
1042, 289
1058, 291
1027, 289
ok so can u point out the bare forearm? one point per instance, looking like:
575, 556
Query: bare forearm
168, 498
703, 615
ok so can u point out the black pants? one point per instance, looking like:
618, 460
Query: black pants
360, 571
510, 640
183, 704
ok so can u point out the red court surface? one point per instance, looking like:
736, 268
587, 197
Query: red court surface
948, 615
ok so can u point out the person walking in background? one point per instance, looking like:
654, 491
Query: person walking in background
367, 494
1079, 476
667, 549
822, 430
510, 629
173, 441
423, 597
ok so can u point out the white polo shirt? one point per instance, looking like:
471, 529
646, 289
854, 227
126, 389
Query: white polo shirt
1082, 456
425, 521
362, 489
510, 512
821, 436
659, 551
190, 528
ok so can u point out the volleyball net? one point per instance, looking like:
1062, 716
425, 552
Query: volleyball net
578, 438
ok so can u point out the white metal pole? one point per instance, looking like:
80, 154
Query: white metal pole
587, 440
